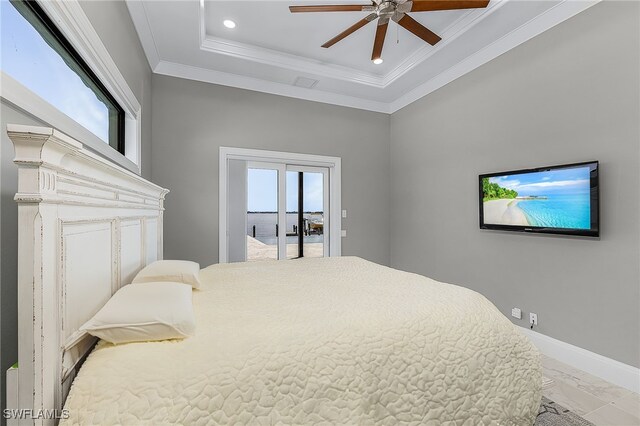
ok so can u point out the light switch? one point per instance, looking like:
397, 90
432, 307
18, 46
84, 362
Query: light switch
343, 232
344, 214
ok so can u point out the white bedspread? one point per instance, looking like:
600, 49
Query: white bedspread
334, 341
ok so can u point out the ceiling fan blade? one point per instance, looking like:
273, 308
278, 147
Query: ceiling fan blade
429, 5
361, 23
381, 31
330, 8
410, 24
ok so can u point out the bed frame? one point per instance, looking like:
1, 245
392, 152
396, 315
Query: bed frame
85, 228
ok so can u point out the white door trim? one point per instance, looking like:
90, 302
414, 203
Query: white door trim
257, 155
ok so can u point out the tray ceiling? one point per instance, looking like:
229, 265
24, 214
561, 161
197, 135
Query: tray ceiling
274, 51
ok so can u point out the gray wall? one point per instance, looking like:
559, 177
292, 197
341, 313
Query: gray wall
191, 120
112, 22
237, 207
568, 95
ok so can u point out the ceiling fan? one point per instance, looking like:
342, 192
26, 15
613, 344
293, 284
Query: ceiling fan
396, 10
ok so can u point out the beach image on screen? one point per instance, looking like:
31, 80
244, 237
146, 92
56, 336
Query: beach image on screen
556, 198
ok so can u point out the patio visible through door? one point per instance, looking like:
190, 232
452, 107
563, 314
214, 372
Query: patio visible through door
277, 210
302, 229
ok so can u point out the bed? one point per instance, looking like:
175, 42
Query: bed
331, 340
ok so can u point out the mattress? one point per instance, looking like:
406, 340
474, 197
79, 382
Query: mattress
329, 340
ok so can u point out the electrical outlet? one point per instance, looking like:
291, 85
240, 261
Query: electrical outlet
533, 319
516, 313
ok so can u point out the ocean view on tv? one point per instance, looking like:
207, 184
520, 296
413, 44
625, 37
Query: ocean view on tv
557, 198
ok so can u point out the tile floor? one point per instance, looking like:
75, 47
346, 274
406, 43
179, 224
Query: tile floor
598, 401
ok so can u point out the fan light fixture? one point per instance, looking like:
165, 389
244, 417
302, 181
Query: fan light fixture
229, 23
384, 11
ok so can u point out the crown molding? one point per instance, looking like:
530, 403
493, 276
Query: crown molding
557, 14
541, 23
249, 83
288, 61
280, 59
451, 33
138, 13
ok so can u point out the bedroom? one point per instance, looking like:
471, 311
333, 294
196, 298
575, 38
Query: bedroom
565, 89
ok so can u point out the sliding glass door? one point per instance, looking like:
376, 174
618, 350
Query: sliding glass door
307, 212
286, 214
262, 211
278, 205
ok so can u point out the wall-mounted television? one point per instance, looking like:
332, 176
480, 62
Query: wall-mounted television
554, 200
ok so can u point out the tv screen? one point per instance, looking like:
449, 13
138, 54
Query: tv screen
556, 200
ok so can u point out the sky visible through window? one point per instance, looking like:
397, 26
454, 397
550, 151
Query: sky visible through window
263, 191
26, 57
563, 181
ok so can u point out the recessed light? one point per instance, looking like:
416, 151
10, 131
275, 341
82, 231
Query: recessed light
378, 61
229, 23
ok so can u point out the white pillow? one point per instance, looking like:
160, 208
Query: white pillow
179, 271
145, 312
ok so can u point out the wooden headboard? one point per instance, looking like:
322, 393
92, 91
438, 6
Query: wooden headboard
85, 227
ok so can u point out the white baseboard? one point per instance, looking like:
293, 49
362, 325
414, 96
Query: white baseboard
608, 369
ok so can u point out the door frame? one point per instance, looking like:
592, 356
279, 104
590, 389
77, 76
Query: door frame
281, 170
326, 203
297, 159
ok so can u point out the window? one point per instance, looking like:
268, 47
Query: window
35, 53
